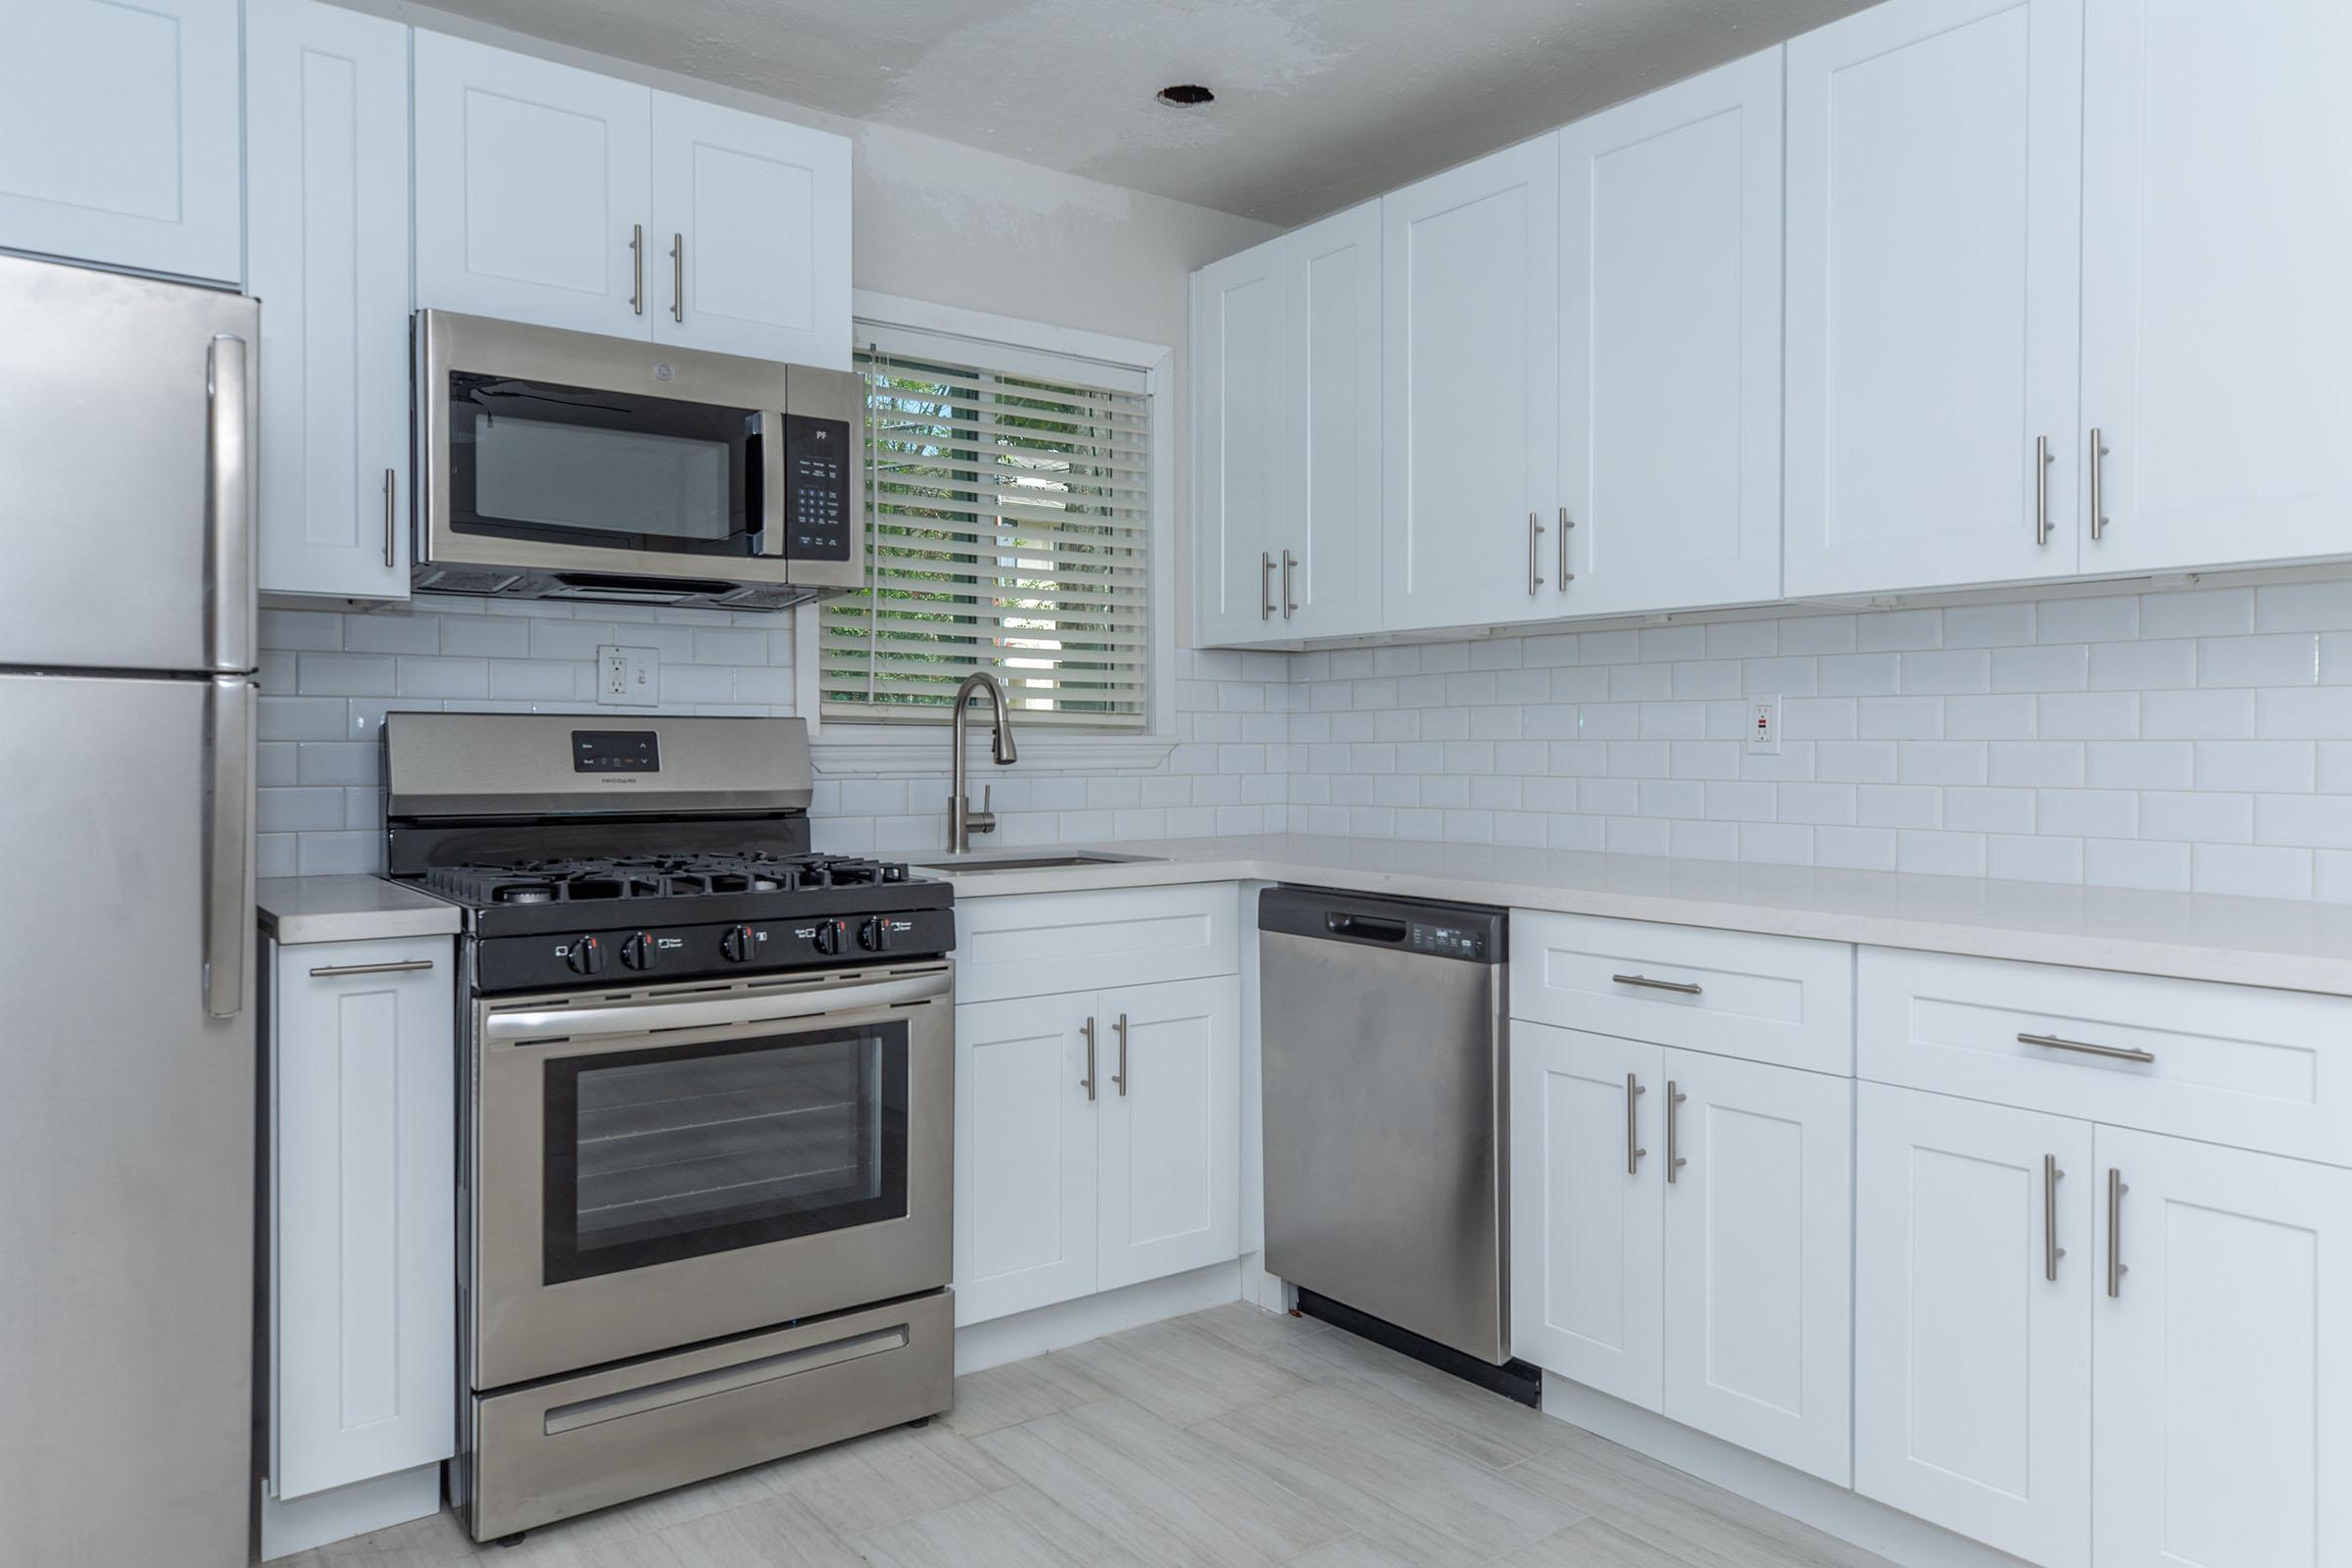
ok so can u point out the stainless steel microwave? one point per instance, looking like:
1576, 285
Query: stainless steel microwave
563, 464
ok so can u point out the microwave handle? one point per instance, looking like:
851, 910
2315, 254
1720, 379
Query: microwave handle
765, 452
642, 1018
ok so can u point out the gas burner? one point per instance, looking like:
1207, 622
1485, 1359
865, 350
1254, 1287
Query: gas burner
669, 876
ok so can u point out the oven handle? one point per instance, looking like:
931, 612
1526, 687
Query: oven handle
645, 1017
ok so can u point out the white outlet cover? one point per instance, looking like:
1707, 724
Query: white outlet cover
1763, 726
628, 677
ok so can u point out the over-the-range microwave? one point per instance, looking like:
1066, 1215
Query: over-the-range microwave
560, 465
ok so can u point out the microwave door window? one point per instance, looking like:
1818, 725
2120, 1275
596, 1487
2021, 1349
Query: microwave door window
666, 1153
578, 466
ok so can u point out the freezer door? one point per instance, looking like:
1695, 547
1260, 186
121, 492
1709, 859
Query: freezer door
126, 420
126, 1128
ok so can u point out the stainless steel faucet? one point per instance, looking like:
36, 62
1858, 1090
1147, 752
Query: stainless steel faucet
962, 820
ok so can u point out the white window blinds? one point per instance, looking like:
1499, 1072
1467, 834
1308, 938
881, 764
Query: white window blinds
1007, 517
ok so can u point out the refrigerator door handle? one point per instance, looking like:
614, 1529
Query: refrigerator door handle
228, 853
228, 501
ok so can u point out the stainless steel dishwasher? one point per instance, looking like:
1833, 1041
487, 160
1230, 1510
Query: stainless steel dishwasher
1387, 1165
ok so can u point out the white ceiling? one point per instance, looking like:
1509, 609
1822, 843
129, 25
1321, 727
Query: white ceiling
1320, 103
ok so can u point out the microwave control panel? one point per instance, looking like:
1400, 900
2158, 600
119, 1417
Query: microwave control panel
818, 503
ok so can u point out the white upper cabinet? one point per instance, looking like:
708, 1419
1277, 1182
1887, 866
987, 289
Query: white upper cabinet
749, 250
2216, 324
1670, 348
328, 220
2223, 1358
1972, 1284
1329, 581
1239, 475
119, 134
532, 190
1934, 151
1470, 388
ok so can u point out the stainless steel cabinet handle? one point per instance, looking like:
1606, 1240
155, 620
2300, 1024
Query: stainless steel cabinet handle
2085, 1048
1290, 601
1265, 585
2098, 503
1633, 1151
1674, 1161
1566, 576
2042, 489
677, 278
2116, 1269
1535, 539
637, 268
1087, 1083
1679, 987
391, 489
2051, 1251
330, 972
229, 499
1120, 1077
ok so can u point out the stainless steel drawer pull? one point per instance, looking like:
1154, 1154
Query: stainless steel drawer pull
1566, 576
1265, 585
2085, 1048
2098, 485
1290, 599
2116, 1269
724, 1380
1535, 542
2051, 1251
1674, 1161
1632, 1152
1681, 988
391, 489
1120, 1077
677, 278
2042, 489
1087, 1083
637, 269
332, 972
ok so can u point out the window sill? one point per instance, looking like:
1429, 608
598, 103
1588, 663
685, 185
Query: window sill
852, 750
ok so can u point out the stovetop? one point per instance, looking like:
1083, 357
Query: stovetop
601, 878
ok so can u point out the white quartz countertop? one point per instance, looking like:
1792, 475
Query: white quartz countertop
2265, 941
349, 909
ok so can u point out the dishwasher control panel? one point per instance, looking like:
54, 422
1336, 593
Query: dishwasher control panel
1449, 941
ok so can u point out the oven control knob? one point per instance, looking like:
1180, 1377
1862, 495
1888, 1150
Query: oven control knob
828, 936
874, 934
738, 944
585, 955
637, 951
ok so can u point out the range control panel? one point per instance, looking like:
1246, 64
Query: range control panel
817, 463
692, 951
1449, 941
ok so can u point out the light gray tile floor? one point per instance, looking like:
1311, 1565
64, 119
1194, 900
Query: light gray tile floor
1229, 1439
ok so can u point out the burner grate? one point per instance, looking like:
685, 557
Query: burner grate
598, 880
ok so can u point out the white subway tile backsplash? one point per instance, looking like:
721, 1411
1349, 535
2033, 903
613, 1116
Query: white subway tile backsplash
2134, 863
2290, 659
2254, 870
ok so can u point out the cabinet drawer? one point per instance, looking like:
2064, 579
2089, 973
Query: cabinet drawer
2228, 1065
1782, 1000
1036, 945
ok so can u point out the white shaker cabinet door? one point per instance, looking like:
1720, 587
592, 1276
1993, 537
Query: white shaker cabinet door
1670, 348
364, 1114
1240, 445
328, 193
532, 192
1329, 540
1587, 1178
1168, 1070
750, 248
1470, 388
1028, 1085
1973, 1286
118, 133
1759, 1259
1935, 150
2216, 324
2222, 1410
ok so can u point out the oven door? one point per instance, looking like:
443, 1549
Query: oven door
654, 1168
566, 452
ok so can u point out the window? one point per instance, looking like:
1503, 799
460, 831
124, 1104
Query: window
1009, 515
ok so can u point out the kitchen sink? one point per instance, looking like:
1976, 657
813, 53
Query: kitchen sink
966, 863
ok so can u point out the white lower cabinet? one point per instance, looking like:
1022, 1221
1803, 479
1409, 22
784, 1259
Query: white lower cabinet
1973, 1275
2221, 1400
1098, 1140
363, 1246
1681, 1236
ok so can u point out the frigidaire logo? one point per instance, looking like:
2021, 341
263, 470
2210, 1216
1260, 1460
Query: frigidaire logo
610, 779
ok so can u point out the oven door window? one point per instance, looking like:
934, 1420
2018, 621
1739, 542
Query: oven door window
566, 464
660, 1154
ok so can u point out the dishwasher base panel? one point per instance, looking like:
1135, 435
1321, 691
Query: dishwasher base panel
1520, 1381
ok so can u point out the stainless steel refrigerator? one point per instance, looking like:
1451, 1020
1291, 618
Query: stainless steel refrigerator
126, 1025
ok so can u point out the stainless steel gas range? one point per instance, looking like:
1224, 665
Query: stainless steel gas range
705, 1212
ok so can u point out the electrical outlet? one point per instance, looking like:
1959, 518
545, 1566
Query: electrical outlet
1763, 726
627, 677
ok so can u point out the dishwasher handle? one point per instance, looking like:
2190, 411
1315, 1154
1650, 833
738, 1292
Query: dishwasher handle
1371, 927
